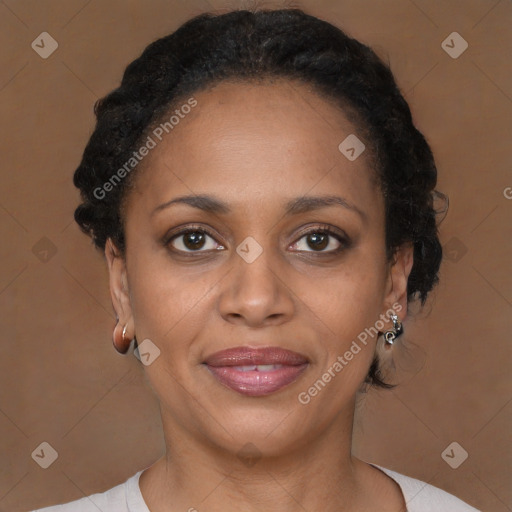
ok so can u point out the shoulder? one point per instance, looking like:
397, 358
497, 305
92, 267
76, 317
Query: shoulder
423, 497
125, 497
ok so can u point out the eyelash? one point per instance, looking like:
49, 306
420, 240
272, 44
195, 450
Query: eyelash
321, 229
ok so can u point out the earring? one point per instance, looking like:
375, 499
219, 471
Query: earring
121, 345
395, 331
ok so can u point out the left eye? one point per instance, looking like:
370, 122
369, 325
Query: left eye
319, 240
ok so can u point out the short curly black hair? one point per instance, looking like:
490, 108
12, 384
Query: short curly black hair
244, 45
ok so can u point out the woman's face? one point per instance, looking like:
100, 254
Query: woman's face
257, 268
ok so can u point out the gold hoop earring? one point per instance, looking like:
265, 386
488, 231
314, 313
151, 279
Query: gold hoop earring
121, 345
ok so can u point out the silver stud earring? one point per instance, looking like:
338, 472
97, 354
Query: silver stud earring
395, 331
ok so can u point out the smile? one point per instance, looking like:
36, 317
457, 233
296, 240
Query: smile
256, 371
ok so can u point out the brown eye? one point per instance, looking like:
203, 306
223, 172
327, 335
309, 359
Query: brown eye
193, 240
321, 240
317, 241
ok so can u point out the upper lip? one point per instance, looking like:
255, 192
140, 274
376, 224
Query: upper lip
241, 356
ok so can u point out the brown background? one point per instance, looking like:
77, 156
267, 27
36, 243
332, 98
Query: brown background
63, 383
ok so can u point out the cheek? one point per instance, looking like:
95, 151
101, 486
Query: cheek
170, 305
349, 299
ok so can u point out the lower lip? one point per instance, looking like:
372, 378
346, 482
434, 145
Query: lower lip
256, 383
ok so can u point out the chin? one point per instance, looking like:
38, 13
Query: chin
270, 429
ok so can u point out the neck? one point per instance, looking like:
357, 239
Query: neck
311, 474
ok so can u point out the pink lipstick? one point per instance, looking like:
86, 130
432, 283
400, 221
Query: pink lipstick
256, 371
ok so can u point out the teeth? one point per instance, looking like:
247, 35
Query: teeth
268, 367
258, 367
245, 368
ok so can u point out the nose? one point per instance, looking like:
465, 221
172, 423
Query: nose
256, 294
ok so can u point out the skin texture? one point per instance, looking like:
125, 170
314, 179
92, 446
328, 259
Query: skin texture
255, 147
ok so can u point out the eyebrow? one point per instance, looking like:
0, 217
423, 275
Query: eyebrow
295, 206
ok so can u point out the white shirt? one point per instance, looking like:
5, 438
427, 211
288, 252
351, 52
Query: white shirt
126, 497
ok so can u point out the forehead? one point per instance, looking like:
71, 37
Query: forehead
249, 141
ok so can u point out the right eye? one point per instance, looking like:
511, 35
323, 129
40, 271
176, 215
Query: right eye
193, 239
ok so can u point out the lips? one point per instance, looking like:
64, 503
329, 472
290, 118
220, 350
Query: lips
256, 371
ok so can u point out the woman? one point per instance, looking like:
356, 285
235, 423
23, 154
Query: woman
265, 206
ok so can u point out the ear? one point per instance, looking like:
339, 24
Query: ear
119, 290
396, 287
